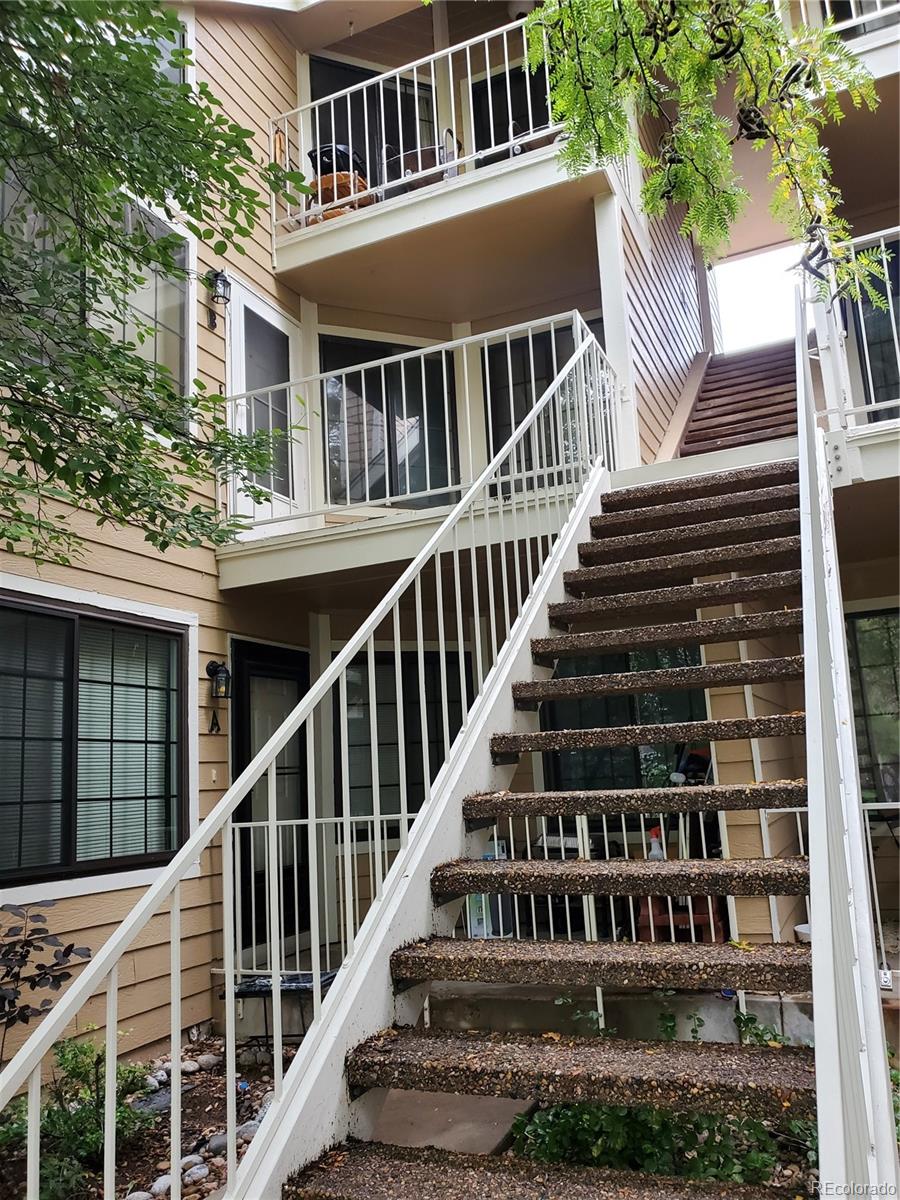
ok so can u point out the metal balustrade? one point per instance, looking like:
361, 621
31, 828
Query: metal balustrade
426, 122
361, 738
857, 1143
851, 18
409, 431
858, 344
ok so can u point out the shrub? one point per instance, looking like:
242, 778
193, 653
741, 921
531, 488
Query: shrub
691, 1145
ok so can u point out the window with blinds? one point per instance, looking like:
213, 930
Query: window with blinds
91, 745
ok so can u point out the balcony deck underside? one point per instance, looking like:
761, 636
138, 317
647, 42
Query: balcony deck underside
460, 250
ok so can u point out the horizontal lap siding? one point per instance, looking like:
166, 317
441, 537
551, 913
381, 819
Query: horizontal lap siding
249, 65
664, 320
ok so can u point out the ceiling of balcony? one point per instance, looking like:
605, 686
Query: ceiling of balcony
481, 260
314, 24
865, 155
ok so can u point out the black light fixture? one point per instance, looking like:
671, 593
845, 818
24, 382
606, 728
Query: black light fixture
221, 679
219, 287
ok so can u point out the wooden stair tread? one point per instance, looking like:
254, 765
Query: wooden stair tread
682, 1076
776, 967
374, 1171
620, 877
488, 807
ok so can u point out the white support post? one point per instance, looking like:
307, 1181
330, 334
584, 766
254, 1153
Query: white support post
470, 417
616, 321
314, 416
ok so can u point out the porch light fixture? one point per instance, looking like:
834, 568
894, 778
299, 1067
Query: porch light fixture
221, 679
219, 286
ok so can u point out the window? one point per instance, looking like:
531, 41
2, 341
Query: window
91, 743
161, 303
873, 643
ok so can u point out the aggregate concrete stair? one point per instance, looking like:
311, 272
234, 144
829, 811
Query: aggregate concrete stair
744, 398
676, 600
690, 512
506, 747
683, 1076
654, 562
620, 877
530, 693
373, 1171
546, 651
778, 967
732, 531
693, 487
489, 807
772, 554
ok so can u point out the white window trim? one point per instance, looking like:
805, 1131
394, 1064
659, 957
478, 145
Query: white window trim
116, 881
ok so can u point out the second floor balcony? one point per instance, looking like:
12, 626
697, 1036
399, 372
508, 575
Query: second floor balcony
383, 449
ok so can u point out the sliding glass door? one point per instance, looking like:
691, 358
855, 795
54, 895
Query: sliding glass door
390, 430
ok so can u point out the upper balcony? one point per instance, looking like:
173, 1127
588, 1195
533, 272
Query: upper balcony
871, 26
464, 135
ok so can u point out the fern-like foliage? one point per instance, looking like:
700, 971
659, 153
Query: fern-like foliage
705, 75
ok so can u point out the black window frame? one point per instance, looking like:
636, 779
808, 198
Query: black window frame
867, 761
70, 867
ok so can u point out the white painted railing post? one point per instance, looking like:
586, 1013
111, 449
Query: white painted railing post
857, 1146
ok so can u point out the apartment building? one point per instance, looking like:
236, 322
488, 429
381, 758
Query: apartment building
512, 428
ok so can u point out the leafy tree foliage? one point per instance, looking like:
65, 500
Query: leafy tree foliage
97, 129
706, 75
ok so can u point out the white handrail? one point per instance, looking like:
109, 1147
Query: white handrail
861, 366
856, 1138
481, 565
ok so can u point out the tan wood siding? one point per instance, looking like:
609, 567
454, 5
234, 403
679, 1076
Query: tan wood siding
250, 66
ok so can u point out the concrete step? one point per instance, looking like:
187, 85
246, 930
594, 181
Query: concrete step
728, 533
678, 600
374, 1171
667, 569
530, 693
620, 877
486, 808
690, 512
545, 651
506, 747
781, 967
683, 1076
692, 487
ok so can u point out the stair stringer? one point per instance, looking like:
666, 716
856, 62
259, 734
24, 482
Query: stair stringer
314, 1110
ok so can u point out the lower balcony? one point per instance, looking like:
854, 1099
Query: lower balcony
379, 451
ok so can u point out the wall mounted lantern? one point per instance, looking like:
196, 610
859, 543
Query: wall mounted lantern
219, 287
221, 679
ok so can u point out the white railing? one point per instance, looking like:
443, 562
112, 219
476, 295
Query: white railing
466, 107
859, 343
856, 1138
409, 431
853, 18
378, 731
